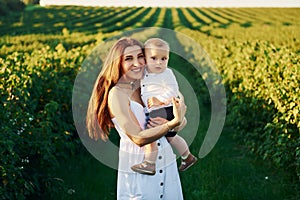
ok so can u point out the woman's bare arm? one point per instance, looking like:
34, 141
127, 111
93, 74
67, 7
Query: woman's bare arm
153, 122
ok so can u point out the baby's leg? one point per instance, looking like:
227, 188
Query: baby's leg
148, 165
180, 145
150, 152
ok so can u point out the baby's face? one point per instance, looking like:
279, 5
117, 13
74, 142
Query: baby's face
157, 59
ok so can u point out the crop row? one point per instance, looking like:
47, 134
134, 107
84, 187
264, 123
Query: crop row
98, 19
36, 118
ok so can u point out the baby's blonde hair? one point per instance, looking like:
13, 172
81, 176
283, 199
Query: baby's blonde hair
156, 42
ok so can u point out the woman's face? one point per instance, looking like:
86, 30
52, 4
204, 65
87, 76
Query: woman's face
133, 63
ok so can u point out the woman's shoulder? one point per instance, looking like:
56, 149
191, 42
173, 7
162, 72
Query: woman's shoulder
116, 92
117, 95
118, 102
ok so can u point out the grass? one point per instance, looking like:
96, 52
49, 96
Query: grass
228, 173
84, 177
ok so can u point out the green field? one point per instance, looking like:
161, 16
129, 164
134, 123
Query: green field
256, 51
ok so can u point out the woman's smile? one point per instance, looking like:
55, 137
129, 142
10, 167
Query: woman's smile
137, 69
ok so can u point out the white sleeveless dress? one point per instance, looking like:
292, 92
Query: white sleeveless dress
165, 184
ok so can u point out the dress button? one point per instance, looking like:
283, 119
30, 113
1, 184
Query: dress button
143, 85
161, 184
158, 144
159, 157
161, 171
161, 196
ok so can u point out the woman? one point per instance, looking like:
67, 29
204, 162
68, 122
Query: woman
116, 102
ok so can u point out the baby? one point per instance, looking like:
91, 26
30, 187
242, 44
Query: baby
158, 86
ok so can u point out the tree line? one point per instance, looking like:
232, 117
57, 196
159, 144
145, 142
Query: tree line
8, 6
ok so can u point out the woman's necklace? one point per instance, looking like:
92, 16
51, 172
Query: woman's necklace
133, 92
131, 83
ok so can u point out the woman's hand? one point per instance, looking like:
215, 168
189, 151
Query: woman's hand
181, 126
153, 122
179, 110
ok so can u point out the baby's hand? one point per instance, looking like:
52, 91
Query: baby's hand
153, 101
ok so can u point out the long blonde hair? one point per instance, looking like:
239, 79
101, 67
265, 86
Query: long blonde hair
98, 120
